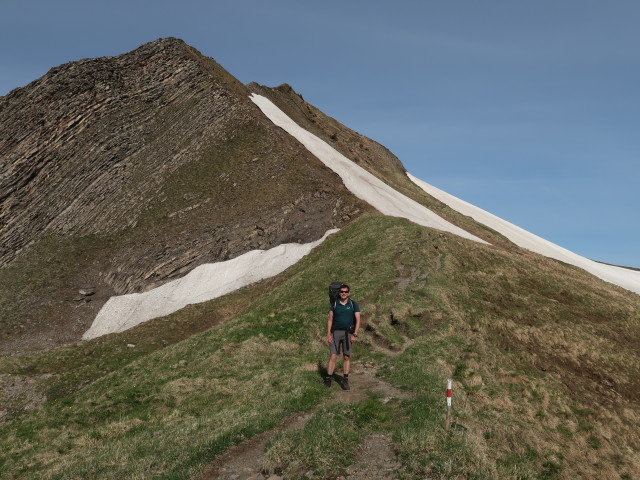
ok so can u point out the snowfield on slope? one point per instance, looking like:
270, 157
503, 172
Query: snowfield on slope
361, 183
390, 202
203, 283
623, 277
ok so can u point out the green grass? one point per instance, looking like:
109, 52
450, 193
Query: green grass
166, 409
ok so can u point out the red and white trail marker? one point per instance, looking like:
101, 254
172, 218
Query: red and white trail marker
447, 422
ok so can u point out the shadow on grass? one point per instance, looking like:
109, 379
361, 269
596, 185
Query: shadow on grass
322, 373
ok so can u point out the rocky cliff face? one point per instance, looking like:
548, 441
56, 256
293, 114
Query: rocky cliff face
122, 173
73, 141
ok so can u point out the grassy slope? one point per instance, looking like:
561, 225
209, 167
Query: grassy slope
542, 356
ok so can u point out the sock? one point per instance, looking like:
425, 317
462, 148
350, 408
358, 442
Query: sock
346, 376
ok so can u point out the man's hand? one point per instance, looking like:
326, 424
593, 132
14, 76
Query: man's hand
329, 338
353, 338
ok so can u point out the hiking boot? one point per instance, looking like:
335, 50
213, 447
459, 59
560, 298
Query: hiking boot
327, 381
345, 384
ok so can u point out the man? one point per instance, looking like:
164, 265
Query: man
342, 330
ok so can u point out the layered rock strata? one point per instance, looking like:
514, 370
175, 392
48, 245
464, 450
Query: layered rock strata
127, 172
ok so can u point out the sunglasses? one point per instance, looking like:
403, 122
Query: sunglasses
344, 291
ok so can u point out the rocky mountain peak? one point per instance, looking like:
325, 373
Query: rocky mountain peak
125, 172
72, 131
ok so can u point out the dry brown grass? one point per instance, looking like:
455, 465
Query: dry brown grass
545, 361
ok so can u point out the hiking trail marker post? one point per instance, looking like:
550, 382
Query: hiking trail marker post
447, 421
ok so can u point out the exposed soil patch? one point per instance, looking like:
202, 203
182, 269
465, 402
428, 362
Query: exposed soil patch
376, 459
407, 274
19, 394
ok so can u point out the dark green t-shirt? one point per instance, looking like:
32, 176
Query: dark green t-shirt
344, 315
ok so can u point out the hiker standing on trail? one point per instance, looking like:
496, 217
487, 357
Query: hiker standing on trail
342, 330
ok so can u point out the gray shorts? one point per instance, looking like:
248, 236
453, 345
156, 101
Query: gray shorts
340, 342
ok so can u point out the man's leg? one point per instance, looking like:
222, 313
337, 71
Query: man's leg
345, 371
330, 369
332, 363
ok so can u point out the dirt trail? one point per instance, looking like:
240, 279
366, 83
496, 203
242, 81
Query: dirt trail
376, 459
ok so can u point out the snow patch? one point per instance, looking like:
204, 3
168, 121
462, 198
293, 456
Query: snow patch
623, 277
203, 283
361, 183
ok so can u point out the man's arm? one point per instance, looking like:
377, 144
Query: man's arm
355, 331
329, 325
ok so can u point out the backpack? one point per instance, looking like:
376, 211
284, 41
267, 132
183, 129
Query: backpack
334, 295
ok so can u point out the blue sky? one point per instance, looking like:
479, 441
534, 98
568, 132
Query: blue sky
530, 110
